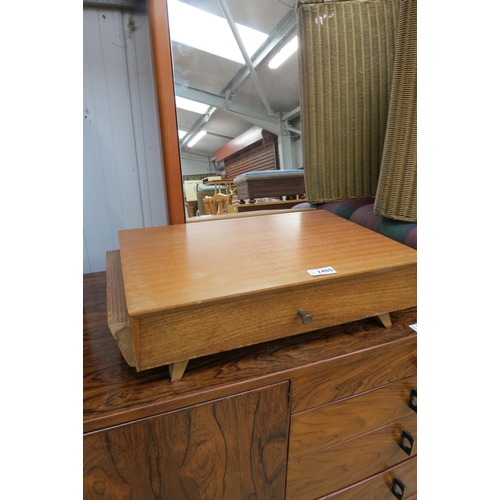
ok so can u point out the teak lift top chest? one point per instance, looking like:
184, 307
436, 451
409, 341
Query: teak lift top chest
184, 291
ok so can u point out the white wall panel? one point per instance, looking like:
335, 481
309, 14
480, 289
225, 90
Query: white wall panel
123, 184
195, 165
297, 153
145, 119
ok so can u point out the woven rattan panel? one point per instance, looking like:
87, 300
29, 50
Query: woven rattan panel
397, 190
261, 156
346, 55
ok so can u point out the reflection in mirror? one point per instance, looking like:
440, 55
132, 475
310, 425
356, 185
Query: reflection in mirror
237, 93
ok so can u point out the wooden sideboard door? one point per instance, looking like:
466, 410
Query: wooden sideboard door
232, 448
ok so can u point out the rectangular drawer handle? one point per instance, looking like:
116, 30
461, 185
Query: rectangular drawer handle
413, 400
407, 442
398, 488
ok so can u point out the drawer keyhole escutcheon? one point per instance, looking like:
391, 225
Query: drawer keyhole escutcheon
306, 318
413, 400
398, 488
407, 442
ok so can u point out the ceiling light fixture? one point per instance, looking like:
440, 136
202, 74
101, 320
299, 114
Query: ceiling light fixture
189, 105
182, 133
204, 31
284, 53
196, 138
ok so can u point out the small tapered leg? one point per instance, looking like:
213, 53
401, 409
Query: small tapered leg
176, 370
385, 319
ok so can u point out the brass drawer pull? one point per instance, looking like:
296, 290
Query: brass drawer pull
398, 488
306, 318
413, 400
407, 442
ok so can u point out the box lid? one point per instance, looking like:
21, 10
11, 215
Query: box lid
190, 265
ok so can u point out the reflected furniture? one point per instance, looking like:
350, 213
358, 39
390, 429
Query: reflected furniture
329, 413
217, 204
204, 190
190, 208
270, 184
263, 205
221, 184
359, 112
344, 103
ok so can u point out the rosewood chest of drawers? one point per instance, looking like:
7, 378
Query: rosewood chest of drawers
329, 413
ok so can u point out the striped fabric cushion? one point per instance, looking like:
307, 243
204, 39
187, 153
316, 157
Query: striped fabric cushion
403, 232
345, 208
342, 208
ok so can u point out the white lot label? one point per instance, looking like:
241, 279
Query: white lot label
320, 272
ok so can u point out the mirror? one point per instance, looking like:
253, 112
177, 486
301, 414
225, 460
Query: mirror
228, 97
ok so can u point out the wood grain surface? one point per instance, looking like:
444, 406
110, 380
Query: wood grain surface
318, 474
172, 267
227, 449
379, 487
188, 334
118, 319
114, 393
325, 426
346, 376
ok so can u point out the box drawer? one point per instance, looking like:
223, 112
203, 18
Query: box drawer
174, 293
337, 467
353, 374
379, 487
182, 335
332, 424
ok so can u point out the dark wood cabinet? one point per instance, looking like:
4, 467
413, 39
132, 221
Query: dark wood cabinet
316, 415
226, 449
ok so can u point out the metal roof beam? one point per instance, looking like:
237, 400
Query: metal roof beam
285, 27
241, 45
291, 114
272, 127
197, 126
244, 111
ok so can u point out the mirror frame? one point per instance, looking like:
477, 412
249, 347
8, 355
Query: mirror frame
164, 80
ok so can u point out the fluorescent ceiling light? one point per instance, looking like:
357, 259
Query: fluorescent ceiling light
182, 133
189, 105
284, 53
196, 138
210, 33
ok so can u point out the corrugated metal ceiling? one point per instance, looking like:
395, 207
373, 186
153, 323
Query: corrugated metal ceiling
196, 70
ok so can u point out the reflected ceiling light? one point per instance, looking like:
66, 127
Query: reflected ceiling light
196, 138
284, 53
210, 33
182, 133
189, 105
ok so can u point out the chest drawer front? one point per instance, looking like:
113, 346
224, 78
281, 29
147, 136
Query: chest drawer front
332, 424
332, 469
353, 374
379, 486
